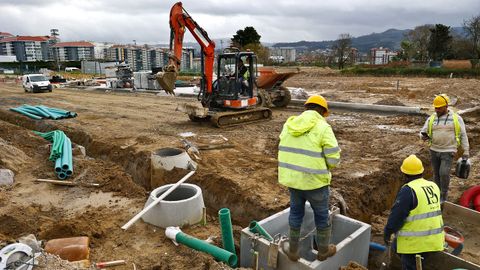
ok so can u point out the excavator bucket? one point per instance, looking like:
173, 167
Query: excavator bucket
167, 79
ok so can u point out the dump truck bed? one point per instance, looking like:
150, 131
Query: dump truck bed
271, 77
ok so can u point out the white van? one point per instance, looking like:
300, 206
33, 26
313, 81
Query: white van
36, 83
71, 69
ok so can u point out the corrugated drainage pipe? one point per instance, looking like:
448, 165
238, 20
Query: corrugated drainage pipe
468, 196
227, 231
254, 227
220, 254
476, 202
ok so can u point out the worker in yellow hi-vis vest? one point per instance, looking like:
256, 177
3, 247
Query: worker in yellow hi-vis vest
445, 131
307, 151
416, 216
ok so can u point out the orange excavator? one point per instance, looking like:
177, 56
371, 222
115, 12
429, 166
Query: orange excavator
229, 100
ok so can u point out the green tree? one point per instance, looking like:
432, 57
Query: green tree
472, 27
439, 44
342, 49
418, 38
408, 50
462, 48
245, 37
263, 54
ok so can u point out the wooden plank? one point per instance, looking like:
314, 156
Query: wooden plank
66, 183
451, 209
446, 261
57, 182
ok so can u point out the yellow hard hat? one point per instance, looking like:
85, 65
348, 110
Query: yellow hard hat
412, 165
441, 101
319, 100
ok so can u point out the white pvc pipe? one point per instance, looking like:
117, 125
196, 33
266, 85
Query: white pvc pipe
171, 232
156, 201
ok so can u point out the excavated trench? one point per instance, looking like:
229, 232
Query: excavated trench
137, 164
367, 195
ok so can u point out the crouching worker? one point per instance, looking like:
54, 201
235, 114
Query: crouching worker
308, 150
416, 216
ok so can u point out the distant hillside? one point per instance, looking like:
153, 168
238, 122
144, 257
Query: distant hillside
389, 39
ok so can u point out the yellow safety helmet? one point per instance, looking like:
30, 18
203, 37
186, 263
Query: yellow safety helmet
412, 165
441, 101
319, 100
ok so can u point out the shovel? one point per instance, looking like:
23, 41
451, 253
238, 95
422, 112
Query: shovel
387, 257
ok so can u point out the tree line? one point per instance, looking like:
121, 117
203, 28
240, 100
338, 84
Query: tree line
424, 43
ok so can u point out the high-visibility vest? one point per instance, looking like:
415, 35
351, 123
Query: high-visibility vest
456, 126
305, 160
423, 228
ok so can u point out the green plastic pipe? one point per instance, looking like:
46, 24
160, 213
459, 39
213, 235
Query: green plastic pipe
254, 227
67, 155
33, 116
34, 110
58, 165
61, 176
220, 254
227, 231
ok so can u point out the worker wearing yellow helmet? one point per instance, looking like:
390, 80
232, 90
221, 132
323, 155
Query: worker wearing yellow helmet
416, 216
307, 151
445, 132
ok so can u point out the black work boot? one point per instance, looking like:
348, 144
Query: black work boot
290, 247
325, 249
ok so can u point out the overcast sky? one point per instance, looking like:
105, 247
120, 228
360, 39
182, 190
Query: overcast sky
146, 21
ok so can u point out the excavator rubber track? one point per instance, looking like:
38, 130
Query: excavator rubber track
233, 118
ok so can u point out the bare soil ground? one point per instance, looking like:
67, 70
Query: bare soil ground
120, 131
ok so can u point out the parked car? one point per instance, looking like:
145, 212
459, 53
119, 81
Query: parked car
36, 83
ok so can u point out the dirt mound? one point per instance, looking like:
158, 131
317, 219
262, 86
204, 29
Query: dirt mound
389, 101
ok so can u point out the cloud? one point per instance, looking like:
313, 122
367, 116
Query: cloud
146, 21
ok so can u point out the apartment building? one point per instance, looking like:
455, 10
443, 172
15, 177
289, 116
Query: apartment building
73, 51
145, 57
5, 34
381, 56
25, 48
288, 54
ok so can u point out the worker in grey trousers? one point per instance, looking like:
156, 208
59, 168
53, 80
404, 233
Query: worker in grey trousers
445, 131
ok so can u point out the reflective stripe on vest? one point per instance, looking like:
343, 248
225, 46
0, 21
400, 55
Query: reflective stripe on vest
301, 151
421, 233
423, 228
304, 158
422, 216
302, 169
456, 126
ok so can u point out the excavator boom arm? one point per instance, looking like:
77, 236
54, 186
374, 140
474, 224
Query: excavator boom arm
179, 19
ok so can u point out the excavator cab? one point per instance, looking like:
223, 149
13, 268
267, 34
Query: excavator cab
236, 72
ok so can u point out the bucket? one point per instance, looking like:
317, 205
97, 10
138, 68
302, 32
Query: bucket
462, 170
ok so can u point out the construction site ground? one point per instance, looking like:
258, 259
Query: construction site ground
120, 130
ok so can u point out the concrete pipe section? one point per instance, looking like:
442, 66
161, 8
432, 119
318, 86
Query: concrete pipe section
169, 158
164, 160
184, 206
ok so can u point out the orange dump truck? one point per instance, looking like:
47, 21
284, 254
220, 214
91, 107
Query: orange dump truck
270, 90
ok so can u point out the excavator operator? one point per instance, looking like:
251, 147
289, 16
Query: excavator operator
243, 76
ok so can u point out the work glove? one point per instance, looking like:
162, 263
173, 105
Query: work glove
386, 239
425, 136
